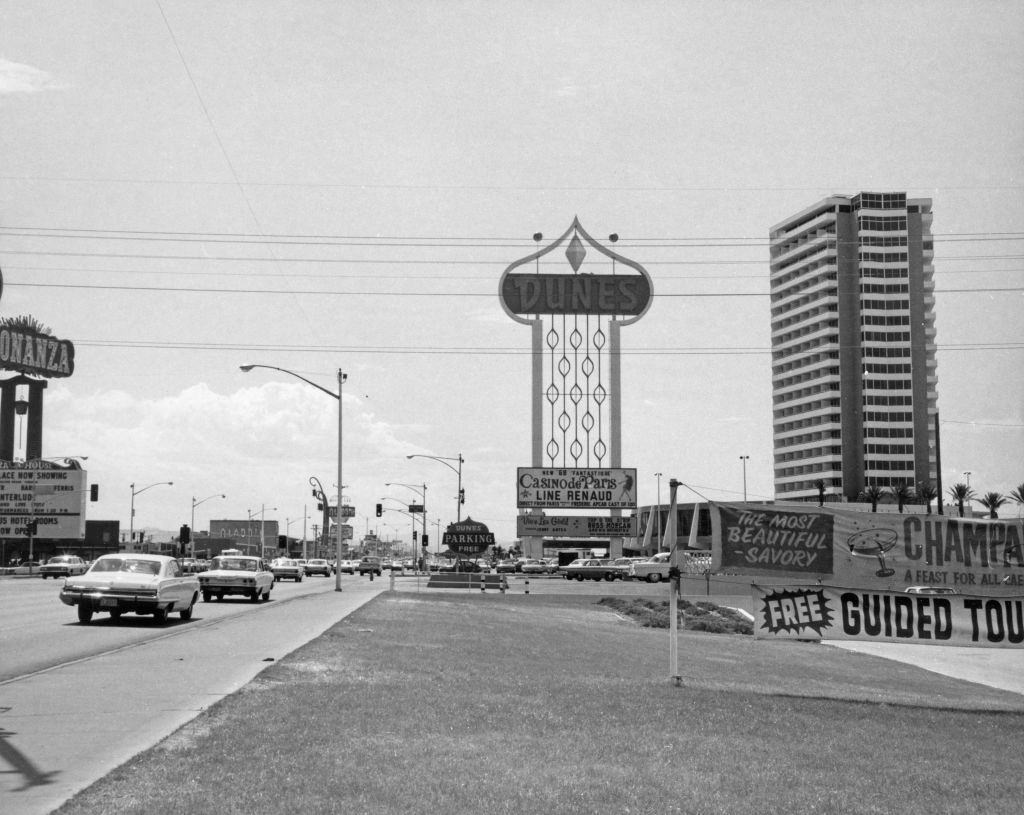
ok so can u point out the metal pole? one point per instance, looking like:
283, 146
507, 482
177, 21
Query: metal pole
263, 531
305, 517
192, 529
337, 575
744, 460
658, 515
458, 497
131, 521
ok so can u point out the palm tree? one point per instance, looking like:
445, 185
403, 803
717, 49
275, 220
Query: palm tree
992, 501
1018, 494
901, 494
926, 492
874, 494
961, 493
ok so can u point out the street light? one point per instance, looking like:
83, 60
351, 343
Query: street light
744, 460
192, 528
421, 491
341, 381
131, 520
658, 511
263, 524
444, 460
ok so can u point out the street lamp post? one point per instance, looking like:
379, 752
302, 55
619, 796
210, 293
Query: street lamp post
744, 460
131, 520
458, 471
341, 381
263, 524
192, 528
658, 511
422, 491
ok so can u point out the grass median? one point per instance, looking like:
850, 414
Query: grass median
450, 705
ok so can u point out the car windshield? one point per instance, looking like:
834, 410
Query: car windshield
59, 560
116, 564
234, 564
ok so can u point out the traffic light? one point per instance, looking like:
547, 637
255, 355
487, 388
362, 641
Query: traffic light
94, 492
426, 540
184, 534
462, 495
282, 541
380, 510
414, 536
32, 526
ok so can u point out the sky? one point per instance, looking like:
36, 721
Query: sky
188, 187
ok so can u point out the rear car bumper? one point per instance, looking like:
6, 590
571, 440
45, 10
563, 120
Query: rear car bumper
115, 601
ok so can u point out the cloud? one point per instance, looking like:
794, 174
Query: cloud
18, 78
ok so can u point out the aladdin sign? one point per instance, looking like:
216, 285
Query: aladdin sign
26, 347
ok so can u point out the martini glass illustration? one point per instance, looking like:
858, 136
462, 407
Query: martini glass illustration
874, 543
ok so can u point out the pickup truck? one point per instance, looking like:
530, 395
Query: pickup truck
592, 569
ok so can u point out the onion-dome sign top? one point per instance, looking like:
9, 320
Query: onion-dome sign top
620, 288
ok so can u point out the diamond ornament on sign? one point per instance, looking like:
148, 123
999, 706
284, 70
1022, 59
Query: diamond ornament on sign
575, 252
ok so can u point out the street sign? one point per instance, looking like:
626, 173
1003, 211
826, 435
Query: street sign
348, 511
346, 532
415, 507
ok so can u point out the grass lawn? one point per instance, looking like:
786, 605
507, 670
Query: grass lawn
451, 705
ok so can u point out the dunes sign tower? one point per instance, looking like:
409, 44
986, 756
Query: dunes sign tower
575, 294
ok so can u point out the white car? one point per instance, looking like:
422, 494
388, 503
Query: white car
63, 566
143, 584
236, 574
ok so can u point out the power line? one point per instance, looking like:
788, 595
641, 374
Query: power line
446, 294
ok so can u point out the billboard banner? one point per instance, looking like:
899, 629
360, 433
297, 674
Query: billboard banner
51, 494
576, 488
831, 613
576, 526
885, 551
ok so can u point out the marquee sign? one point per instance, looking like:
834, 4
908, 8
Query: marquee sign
576, 526
51, 494
27, 347
576, 488
468, 537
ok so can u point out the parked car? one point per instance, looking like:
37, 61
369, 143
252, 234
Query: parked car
653, 569
284, 568
505, 566
63, 566
591, 569
318, 566
143, 584
370, 565
27, 567
236, 574
533, 566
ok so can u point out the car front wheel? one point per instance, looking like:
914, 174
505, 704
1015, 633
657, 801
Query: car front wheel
160, 615
653, 577
84, 615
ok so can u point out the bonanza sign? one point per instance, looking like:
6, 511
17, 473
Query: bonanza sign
868, 549
25, 347
576, 488
820, 612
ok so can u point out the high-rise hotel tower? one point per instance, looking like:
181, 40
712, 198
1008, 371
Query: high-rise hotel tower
853, 346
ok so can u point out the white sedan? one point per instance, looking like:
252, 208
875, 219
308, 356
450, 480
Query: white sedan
143, 584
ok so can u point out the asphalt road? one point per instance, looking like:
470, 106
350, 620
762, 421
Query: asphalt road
68, 721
